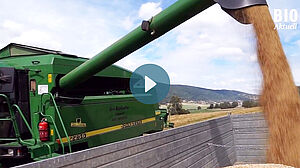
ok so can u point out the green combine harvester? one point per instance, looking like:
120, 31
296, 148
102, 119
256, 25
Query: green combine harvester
41, 120
52, 103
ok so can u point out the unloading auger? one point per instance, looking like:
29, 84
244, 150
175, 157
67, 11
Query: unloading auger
150, 30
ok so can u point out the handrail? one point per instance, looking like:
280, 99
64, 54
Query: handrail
55, 127
13, 118
26, 123
8, 139
59, 116
49, 149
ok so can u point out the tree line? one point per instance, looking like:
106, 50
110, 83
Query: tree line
224, 105
250, 103
175, 105
227, 105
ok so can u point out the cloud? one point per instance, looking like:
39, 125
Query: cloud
11, 25
210, 50
128, 23
31, 36
199, 52
77, 28
298, 43
213, 50
149, 9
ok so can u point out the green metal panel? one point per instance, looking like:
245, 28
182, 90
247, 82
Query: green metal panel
64, 65
104, 113
24, 50
58, 64
15, 51
4, 52
166, 20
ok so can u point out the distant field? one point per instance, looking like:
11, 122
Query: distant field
193, 108
190, 106
204, 113
180, 120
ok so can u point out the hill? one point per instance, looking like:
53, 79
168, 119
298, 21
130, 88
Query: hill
202, 94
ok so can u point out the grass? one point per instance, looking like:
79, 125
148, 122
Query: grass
204, 110
205, 114
193, 107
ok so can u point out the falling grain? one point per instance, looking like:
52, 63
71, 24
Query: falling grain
279, 98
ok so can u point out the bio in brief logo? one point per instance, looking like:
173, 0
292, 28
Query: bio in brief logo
285, 19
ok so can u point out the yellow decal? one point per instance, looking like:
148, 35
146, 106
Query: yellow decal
157, 112
78, 123
51, 132
148, 120
131, 124
105, 130
49, 78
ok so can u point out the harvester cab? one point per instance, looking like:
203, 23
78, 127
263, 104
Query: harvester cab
52, 103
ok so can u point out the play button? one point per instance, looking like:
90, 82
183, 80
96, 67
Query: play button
149, 84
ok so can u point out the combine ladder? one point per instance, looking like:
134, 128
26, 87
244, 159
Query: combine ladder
12, 108
12, 118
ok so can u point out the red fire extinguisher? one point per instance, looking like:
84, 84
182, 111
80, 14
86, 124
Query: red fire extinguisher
44, 130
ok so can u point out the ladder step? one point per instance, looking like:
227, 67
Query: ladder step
8, 139
5, 119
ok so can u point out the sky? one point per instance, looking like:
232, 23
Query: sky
211, 50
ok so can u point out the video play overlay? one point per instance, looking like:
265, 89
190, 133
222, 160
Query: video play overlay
149, 84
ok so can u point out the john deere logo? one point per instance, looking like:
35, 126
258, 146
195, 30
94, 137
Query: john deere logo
78, 123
